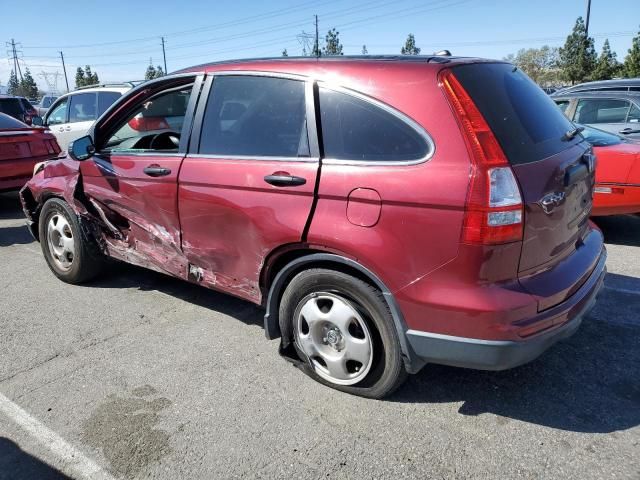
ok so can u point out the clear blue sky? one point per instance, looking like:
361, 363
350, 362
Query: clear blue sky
118, 38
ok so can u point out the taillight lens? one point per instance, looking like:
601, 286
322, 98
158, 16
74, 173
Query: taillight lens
494, 209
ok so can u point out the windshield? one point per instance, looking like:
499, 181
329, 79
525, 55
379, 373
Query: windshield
599, 138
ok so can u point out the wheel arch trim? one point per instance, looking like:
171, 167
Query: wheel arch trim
271, 318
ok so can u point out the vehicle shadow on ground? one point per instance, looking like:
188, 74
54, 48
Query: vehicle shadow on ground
10, 209
120, 275
588, 383
16, 464
620, 229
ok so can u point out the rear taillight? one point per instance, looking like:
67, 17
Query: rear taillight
494, 209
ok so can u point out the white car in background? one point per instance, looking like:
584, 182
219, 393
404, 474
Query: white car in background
72, 114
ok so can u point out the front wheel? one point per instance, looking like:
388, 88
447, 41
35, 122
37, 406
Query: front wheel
71, 256
343, 330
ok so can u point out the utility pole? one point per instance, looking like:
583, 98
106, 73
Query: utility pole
164, 55
16, 64
64, 69
316, 44
586, 25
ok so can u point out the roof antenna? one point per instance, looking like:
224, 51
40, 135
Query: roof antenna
443, 53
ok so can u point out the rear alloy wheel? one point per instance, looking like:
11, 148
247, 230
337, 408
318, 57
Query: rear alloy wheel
334, 337
343, 331
70, 255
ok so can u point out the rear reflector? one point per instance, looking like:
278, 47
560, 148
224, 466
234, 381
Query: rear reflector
494, 209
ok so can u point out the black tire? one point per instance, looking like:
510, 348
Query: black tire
387, 371
87, 260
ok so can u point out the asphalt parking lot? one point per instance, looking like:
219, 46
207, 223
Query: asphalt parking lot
137, 375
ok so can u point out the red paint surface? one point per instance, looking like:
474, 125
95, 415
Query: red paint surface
20, 150
618, 168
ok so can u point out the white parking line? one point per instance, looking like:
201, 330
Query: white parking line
73, 462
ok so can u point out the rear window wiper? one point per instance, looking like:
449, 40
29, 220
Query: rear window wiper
572, 133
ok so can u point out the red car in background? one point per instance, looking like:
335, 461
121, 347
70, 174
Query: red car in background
617, 189
21, 148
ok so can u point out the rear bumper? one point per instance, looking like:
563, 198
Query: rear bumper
503, 354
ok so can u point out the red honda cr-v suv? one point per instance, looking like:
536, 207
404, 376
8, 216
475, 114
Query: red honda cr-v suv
386, 211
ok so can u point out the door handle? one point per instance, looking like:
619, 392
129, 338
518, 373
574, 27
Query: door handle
61, 129
68, 129
628, 130
156, 171
283, 179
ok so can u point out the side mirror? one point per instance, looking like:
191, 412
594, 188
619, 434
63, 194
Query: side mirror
82, 148
37, 121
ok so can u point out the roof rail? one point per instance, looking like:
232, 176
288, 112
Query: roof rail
131, 84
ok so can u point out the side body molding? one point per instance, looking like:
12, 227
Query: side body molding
274, 329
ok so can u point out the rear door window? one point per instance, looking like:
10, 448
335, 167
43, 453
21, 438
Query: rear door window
255, 116
355, 129
83, 107
106, 99
601, 110
526, 121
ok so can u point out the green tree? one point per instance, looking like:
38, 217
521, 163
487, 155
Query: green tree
285, 53
607, 65
410, 46
13, 87
541, 64
578, 56
631, 68
80, 78
90, 78
364, 50
150, 73
332, 44
28, 86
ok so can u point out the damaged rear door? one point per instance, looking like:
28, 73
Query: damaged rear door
247, 185
131, 181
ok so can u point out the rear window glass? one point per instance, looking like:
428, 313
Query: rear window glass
9, 122
255, 116
354, 129
526, 122
11, 106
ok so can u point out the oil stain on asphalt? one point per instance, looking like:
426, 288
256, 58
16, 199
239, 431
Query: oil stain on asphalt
124, 429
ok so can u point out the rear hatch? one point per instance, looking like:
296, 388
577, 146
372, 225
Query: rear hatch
554, 168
